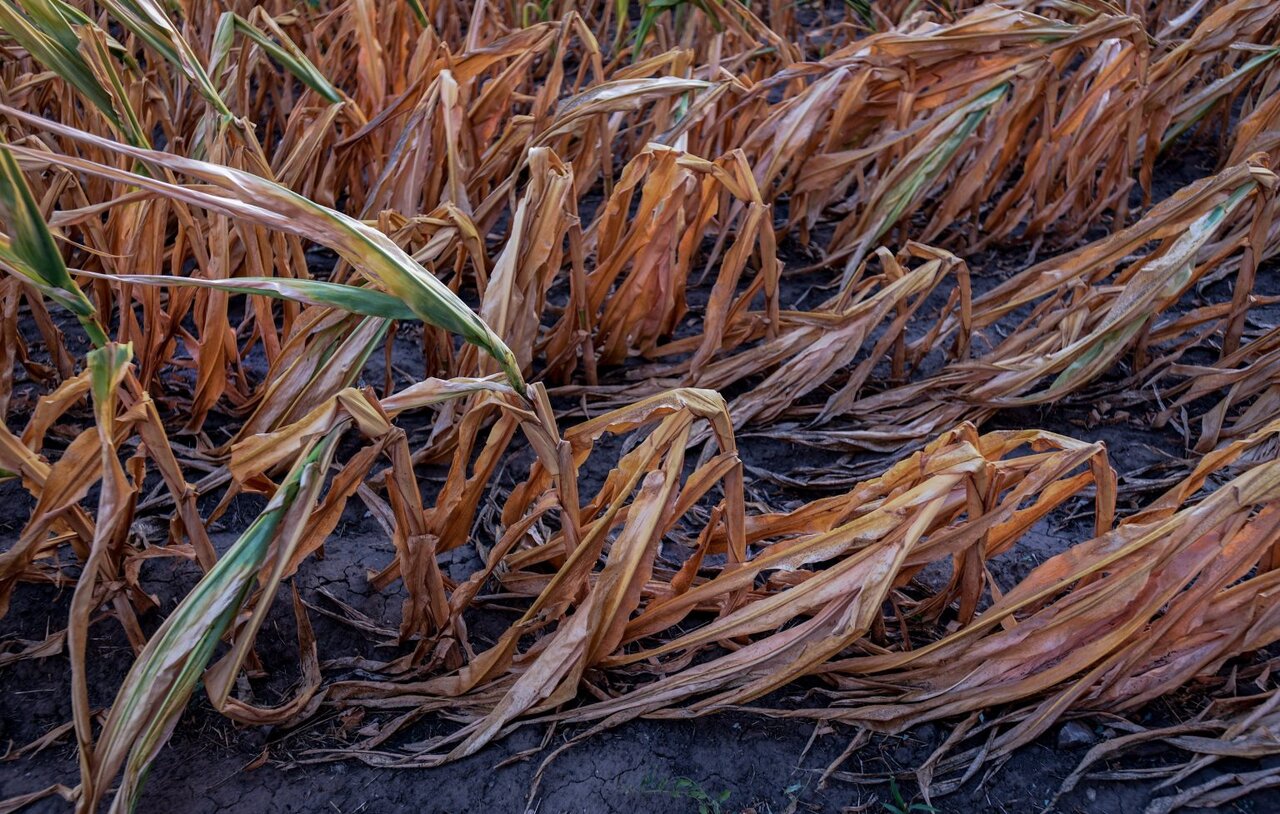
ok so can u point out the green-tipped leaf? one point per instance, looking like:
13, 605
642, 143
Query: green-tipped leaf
29, 250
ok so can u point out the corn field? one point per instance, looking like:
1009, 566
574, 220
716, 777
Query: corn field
531, 280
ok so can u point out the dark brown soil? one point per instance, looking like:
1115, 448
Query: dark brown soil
765, 765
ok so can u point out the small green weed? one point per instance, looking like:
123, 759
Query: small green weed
901, 806
689, 789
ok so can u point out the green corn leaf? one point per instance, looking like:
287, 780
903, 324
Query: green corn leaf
1165, 275
107, 366
962, 123
162, 680
258, 200
285, 52
352, 298
1212, 95
921, 167
419, 12
29, 250
57, 36
150, 23
54, 45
